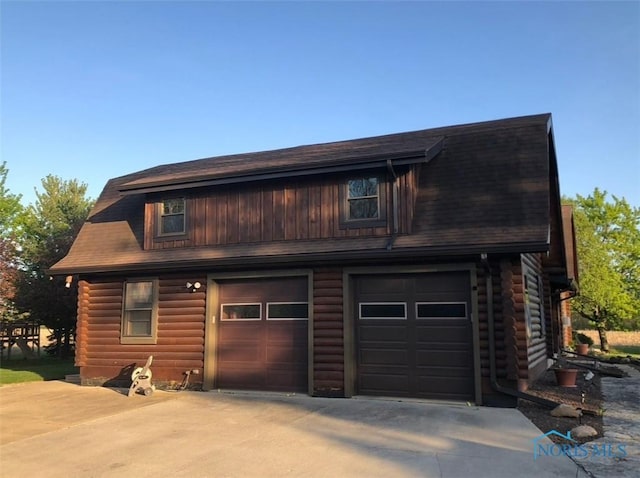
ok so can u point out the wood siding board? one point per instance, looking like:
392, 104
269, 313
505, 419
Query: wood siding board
326, 207
279, 218
290, 226
220, 223
232, 217
267, 215
302, 211
315, 211
149, 210
196, 218
244, 216
255, 226
335, 211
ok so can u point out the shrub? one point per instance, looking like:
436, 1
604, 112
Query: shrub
580, 338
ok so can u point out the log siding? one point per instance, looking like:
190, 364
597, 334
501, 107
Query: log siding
537, 314
180, 338
328, 341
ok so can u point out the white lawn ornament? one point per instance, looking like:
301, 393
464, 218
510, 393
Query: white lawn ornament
141, 378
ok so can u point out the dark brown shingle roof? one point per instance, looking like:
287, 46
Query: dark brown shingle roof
488, 190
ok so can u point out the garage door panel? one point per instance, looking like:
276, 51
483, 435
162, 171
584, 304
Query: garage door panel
234, 331
377, 384
239, 351
388, 285
452, 334
381, 332
285, 354
429, 352
443, 358
384, 357
441, 283
238, 376
270, 353
287, 332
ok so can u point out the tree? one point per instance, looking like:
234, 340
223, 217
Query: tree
10, 211
608, 243
49, 228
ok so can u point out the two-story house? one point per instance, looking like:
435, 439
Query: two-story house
422, 264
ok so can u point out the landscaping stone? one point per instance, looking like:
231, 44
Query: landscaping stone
583, 431
564, 410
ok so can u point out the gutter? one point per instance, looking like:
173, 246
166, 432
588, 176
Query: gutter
148, 261
492, 346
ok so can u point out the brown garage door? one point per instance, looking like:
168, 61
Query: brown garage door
414, 335
262, 334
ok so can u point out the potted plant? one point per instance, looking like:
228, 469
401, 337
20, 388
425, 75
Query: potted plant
582, 349
583, 342
566, 375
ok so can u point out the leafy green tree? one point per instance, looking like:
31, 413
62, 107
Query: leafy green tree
10, 211
49, 228
608, 242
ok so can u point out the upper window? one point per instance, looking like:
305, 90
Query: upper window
363, 202
139, 317
172, 217
363, 198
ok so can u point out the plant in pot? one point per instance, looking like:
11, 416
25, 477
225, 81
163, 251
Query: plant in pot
566, 375
583, 342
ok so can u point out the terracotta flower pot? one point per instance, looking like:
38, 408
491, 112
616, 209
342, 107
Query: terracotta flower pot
582, 349
566, 377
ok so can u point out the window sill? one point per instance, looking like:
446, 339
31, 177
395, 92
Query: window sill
138, 340
363, 223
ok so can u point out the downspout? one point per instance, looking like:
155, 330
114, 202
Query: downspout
492, 345
394, 204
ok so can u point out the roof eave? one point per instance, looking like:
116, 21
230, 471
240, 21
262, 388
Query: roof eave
373, 162
379, 254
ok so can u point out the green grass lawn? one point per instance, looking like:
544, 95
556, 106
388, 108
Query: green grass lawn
633, 350
44, 368
620, 350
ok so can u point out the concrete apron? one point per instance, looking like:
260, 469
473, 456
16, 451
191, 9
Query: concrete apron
100, 432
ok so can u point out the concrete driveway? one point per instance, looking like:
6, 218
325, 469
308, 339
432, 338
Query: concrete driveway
59, 429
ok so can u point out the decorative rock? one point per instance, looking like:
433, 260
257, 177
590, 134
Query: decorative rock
564, 410
583, 431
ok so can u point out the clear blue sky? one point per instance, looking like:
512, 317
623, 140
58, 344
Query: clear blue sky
94, 90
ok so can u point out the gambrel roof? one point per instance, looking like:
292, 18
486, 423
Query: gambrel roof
484, 187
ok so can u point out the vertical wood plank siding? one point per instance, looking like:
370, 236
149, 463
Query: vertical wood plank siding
180, 335
328, 343
275, 211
